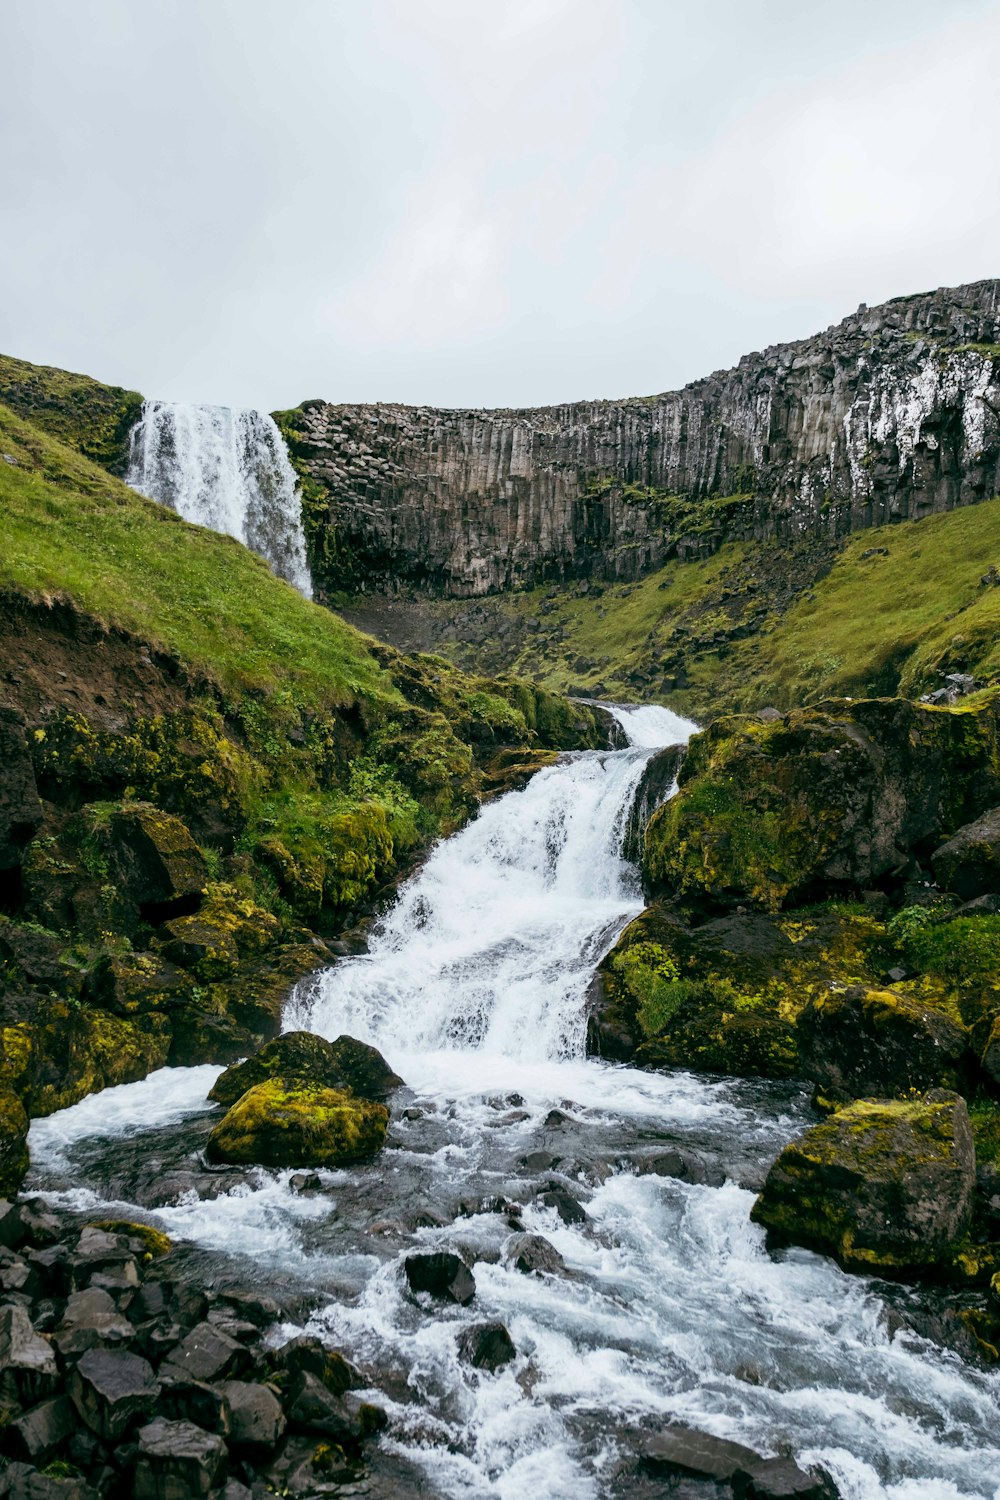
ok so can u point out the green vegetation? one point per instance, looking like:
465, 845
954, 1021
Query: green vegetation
886, 610
87, 415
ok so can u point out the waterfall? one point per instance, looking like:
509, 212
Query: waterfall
492, 947
669, 1308
227, 470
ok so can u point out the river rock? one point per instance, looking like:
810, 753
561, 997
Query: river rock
533, 1254
302, 1056
441, 1273
486, 1346
884, 1186
860, 1042
566, 1206
207, 1353
257, 1420
28, 1368
969, 862
90, 1318
112, 1389
298, 1125
676, 1452
177, 1461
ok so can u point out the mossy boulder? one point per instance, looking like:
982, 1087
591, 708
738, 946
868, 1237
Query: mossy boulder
725, 995
704, 1037
819, 800
859, 1042
129, 984
13, 1142
969, 862
885, 1186
78, 1051
301, 1056
154, 857
279, 1124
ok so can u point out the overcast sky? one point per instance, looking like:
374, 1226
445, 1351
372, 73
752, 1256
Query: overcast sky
478, 202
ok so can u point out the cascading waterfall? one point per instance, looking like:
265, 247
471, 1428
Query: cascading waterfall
669, 1308
227, 470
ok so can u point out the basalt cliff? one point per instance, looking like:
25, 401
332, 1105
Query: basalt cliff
892, 414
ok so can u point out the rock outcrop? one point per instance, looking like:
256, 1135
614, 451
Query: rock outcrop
884, 1185
891, 414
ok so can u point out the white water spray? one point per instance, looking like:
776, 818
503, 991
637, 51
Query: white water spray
227, 470
491, 948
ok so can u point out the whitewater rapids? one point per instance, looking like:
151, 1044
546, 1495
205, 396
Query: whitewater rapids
671, 1309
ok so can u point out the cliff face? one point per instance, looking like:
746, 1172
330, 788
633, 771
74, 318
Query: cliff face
893, 413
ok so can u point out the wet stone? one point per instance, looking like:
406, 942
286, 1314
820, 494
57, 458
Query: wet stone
112, 1389
442, 1274
486, 1346
781, 1479
91, 1317
28, 1369
533, 1254
176, 1460
207, 1353
566, 1206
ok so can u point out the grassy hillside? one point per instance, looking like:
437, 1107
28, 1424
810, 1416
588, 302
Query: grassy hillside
887, 610
185, 672
91, 417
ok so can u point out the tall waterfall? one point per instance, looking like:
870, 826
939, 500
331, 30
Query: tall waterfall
227, 470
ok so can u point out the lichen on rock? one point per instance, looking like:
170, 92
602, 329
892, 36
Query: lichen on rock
279, 1124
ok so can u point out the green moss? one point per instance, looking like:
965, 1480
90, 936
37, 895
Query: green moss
282, 1124
155, 1243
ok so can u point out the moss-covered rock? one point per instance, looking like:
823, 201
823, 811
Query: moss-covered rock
302, 1057
129, 984
79, 1051
969, 862
885, 1186
154, 858
858, 1041
725, 995
819, 800
227, 929
152, 1243
13, 1142
276, 1124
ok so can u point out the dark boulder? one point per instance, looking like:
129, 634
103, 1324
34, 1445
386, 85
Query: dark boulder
38, 1434
860, 1042
365, 1069
486, 1346
313, 1408
91, 1318
566, 1206
207, 1353
177, 1461
28, 1369
129, 984
442, 1274
298, 1056
257, 1421
533, 1254
969, 863
885, 1186
113, 1389
677, 1452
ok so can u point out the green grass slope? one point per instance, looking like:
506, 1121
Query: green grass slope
311, 756
90, 416
886, 610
